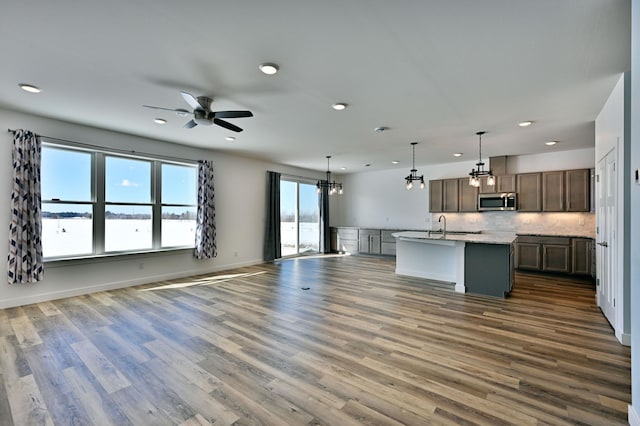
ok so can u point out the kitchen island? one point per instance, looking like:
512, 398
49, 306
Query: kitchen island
480, 263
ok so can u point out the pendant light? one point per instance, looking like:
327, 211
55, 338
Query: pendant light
413, 175
332, 186
475, 175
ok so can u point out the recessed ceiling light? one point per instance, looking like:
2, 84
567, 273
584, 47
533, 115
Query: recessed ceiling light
339, 106
381, 129
367, 165
269, 68
343, 168
457, 154
551, 143
230, 138
160, 121
525, 123
395, 162
30, 88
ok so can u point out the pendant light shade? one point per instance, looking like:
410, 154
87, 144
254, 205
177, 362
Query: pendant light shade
476, 174
413, 174
332, 186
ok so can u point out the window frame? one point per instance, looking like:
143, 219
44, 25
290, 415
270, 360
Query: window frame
98, 202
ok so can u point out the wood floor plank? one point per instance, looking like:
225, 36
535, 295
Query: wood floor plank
361, 346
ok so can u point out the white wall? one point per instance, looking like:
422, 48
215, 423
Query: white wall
380, 200
240, 213
634, 231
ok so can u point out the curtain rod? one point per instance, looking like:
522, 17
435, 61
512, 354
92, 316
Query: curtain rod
116, 150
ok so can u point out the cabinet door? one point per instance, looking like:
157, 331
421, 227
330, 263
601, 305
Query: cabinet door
468, 196
435, 195
375, 243
484, 188
529, 192
553, 192
450, 196
581, 256
556, 258
578, 189
528, 256
363, 243
506, 183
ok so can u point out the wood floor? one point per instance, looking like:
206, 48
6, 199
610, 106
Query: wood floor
360, 346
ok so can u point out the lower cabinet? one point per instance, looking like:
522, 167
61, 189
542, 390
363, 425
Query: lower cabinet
564, 255
347, 240
388, 243
369, 241
488, 269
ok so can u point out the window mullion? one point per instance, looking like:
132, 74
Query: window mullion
156, 191
98, 203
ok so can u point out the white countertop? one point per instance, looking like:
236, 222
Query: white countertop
484, 238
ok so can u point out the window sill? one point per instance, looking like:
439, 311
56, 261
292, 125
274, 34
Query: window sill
113, 257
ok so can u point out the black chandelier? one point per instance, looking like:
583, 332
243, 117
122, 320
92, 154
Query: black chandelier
475, 175
413, 175
332, 186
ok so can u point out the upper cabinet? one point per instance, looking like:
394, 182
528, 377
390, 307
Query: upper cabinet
559, 191
468, 196
529, 187
503, 183
566, 191
443, 195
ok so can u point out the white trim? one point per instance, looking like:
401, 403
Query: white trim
624, 338
634, 418
46, 297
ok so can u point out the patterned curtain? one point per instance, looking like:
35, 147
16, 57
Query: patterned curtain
24, 263
206, 217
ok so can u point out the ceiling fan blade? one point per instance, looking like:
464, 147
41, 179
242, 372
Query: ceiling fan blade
191, 100
164, 109
227, 125
190, 124
232, 114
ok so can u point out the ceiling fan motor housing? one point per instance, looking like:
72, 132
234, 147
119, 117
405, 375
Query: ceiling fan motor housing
200, 117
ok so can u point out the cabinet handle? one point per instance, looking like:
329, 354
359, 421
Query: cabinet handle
603, 244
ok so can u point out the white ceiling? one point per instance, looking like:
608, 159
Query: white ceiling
433, 71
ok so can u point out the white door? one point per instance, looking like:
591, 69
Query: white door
606, 241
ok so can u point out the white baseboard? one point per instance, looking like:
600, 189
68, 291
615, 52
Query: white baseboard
625, 339
79, 291
634, 418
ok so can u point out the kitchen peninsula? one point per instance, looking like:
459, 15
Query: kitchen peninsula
479, 263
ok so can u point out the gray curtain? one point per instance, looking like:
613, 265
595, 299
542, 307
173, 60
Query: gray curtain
24, 262
325, 233
206, 216
272, 229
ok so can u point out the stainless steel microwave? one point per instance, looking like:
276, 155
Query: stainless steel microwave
501, 201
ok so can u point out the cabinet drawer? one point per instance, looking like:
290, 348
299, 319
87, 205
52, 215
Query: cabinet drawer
531, 239
387, 236
388, 248
366, 232
348, 233
348, 246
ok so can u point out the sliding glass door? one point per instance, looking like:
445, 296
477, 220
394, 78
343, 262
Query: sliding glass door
299, 218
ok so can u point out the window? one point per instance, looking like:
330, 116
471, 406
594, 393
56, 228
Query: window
97, 203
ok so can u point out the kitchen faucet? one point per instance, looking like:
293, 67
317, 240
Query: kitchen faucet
444, 229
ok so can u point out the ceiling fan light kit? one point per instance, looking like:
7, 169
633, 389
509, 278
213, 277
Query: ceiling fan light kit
475, 175
202, 113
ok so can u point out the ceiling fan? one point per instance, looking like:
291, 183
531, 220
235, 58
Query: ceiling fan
202, 113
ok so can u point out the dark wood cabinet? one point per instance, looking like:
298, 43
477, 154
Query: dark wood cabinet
553, 191
450, 200
468, 201
581, 256
565, 255
503, 183
529, 192
528, 255
578, 184
435, 195
443, 195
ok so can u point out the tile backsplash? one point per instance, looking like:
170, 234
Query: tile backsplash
573, 224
